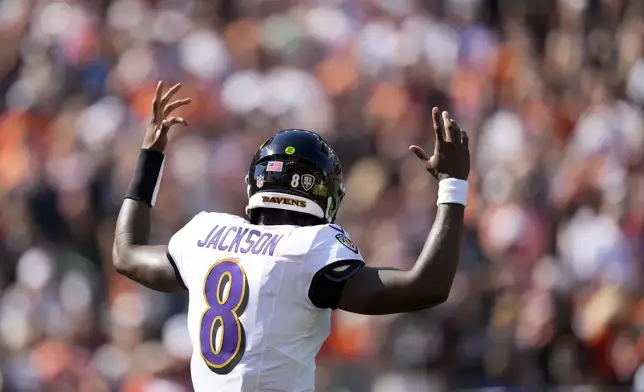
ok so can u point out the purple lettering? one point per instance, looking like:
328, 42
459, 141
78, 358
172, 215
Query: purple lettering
250, 241
202, 243
272, 244
234, 246
266, 243
221, 243
215, 238
261, 242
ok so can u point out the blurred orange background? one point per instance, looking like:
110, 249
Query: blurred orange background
549, 291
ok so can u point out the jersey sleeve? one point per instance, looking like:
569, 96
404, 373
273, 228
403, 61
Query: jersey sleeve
177, 247
332, 259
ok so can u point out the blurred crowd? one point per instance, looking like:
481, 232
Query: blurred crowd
549, 292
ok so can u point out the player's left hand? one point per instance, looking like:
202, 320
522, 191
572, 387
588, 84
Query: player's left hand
451, 157
156, 136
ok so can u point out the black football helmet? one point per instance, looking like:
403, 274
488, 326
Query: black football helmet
296, 170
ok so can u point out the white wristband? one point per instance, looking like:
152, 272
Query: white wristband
452, 190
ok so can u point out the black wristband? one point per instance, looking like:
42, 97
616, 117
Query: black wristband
147, 177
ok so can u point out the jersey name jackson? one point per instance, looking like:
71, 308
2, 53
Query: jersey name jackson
239, 239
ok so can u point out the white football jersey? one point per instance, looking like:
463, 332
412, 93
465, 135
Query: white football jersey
252, 325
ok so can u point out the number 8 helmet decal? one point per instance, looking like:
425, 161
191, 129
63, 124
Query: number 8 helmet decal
295, 170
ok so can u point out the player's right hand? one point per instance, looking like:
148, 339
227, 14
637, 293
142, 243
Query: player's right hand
156, 136
451, 157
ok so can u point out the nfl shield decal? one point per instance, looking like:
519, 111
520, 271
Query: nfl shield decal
344, 240
307, 181
260, 181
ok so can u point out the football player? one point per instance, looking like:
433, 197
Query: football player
261, 288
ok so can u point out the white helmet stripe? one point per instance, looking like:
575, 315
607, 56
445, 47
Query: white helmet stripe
284, 201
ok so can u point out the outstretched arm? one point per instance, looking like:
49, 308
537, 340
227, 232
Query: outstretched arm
148, 265
384, 291
151, 266
428, 283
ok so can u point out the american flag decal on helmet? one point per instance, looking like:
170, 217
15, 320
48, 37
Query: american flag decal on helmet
274, 166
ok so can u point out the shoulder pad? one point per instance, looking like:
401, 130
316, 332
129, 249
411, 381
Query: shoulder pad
333, 233
337, 228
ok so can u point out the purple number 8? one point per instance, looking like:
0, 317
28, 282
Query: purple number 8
222, 335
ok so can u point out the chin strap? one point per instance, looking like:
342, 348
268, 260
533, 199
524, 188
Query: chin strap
337, 208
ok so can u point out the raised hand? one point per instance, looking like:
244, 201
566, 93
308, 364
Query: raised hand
451, 157
156, 136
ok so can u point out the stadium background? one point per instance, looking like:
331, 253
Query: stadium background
550, 285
